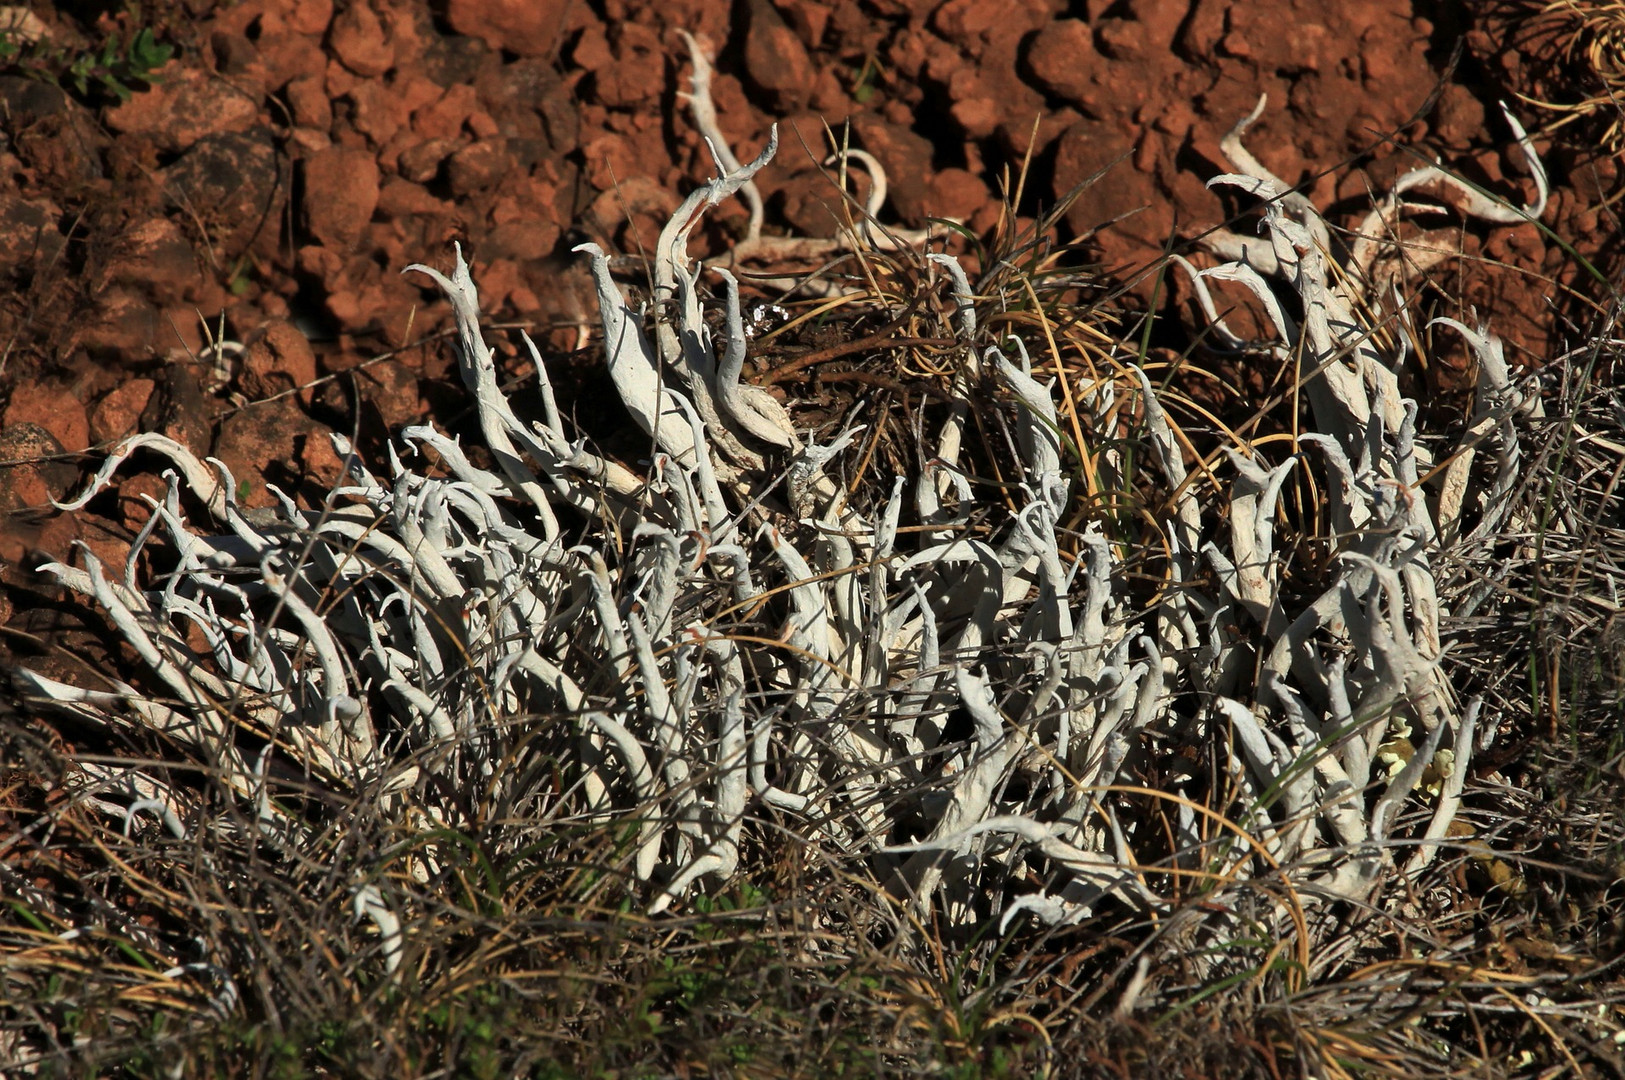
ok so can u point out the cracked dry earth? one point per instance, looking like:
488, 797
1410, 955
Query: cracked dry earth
276, 175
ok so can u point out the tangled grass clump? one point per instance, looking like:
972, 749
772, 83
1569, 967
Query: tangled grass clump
754, 722
1588, 36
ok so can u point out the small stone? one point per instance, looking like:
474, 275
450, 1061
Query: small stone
1121, 209
639, 208
125, 325
810, 20
278, 358
118, 413
184, 106
310, 140
28, 232
393, 388
289, 56
478, 166
56, 136
402, 198
964, 22
31, 475
1123, 39
53, 408
234, 54
524, 27
307, 16
341, 192
157, 254
255, 440
1458, 118
420, 162
134, 511
232, 183
775, 59
1060, 59
637, 71
308, 101
444, 117
906, 157
377, 111
956, 194
357, 39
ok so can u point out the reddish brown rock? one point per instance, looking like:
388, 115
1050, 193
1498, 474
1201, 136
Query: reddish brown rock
393, 388
265, 438
118, 413
58, 138
53, 408
906, 157
318, 458
1458, 118
123, 323
308, 101
28, 232
358, 41
1061, 57
809, 203
31, 475
1203, 29
590, 53
415, 91
309, 140
478, 166
341, 192
420, 162
322, 263
636, 211
307, 16
623, 65
401, 198
964, 21
444, 117
525, 226
810, 21
525, 27
611, 159
133, 492
158, 254
1133, 222
957, 194
775, 59
371, 299
1124, 39
278, 358
236, 56
233, 185
182, 409
1162, 20
499, 280
185, 105
289, 56
377, 111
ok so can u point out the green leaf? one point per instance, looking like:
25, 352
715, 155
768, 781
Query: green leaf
146, 54
118, 88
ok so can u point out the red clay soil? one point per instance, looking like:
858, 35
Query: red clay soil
295, 155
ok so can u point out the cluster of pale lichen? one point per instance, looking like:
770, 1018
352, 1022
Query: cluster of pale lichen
732, 638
